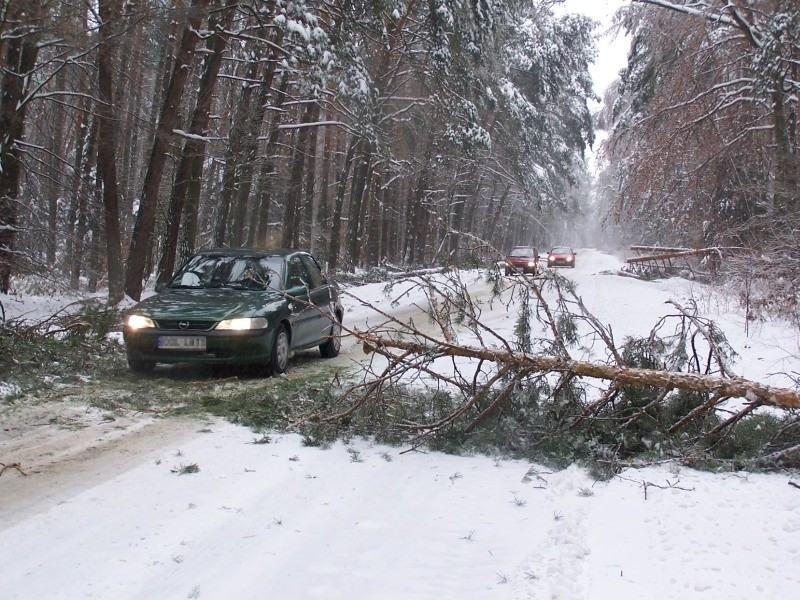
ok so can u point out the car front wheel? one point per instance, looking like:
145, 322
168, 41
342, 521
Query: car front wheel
331, 346
142, 367
279, 357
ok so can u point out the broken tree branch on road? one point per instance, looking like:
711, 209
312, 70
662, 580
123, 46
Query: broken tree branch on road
561, 385
725, 386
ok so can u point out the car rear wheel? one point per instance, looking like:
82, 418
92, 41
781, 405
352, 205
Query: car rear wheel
331, 346
279, 357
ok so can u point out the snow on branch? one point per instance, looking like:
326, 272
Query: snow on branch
694, 382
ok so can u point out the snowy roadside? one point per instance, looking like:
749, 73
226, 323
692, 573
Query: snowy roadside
103, 511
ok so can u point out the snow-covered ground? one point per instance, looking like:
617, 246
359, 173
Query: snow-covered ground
363, 521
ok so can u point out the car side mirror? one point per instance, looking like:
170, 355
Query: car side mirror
298, 291
160, 286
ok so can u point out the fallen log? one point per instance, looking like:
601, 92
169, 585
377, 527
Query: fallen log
671, 255
722, 386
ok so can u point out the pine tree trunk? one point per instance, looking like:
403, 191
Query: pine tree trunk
84, 194
148, 202
244, 226
190, 166
18, 62
375, 220
359, 188
292, 212
227, 233
341, 186
306, 239
671, 380
81, 142
495, 210
54, 161
106, 148
417, 217
322, 223
266, 175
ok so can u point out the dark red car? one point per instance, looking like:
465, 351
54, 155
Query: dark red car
522, 259
561, 256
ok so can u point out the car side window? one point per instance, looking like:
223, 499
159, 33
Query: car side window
297, 273
314, 272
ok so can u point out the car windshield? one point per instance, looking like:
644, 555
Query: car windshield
525, 252
561, 250
234, 272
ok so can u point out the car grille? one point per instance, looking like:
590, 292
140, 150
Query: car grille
185, 325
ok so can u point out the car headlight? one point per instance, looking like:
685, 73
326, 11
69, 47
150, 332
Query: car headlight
531, 263
569, 258
139, 322
242, 324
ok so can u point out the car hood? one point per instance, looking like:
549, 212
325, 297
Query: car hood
213, 304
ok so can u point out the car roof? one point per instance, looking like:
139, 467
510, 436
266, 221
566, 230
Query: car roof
250, 252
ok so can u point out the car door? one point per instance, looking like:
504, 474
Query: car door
320, 296
304, 313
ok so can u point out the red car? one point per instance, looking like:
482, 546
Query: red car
561, 256
522, 259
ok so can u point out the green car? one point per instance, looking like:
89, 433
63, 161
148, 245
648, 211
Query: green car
236, 306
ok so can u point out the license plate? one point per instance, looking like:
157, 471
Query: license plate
182, 342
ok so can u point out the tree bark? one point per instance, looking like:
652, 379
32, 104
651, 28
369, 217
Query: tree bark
322, 222
146, 217
85, 192
244, 227
374, 246
358, 190
694, 382
306, 230
234, 158
341, 186
55, 160
190, 166
267, 173
20, 53
106, 149
292, 211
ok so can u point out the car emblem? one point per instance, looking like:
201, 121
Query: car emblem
183, 324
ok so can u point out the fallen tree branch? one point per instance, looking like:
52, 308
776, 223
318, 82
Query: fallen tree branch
15, 465
722, 386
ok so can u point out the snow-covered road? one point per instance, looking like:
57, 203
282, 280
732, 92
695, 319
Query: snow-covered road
103, 514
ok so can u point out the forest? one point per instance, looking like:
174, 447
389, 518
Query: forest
703, 149
134, 132
397, 130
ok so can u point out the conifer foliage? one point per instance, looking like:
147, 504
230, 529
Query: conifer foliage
365, 131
